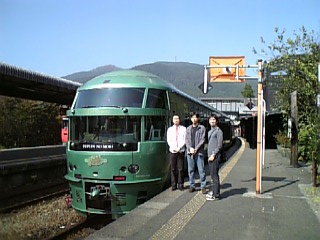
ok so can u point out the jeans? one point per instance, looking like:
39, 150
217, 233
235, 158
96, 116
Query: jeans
199, 160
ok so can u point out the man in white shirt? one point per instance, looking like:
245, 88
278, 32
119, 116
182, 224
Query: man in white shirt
176, 135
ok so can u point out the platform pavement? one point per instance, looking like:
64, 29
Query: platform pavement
284, 210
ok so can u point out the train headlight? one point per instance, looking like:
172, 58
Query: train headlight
134, 168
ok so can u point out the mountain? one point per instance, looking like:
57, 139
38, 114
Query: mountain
84, 76
185, 76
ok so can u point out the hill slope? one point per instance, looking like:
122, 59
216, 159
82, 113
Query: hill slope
85, 76
185, 76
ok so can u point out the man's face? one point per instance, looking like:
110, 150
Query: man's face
212, 122
194, 119
176, 120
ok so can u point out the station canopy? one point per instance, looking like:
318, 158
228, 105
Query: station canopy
27, 84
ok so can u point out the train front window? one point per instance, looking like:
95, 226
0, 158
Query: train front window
155, 128
157, 99
114, 132
110, 97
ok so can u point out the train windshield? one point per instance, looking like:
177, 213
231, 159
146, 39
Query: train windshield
106, 97
157, 98
105, 132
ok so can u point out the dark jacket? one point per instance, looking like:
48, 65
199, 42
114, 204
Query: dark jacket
200, 138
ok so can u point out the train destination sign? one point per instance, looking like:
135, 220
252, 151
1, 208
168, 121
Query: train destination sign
103, 146
96, 146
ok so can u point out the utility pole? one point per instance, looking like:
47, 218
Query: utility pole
259, 129
294, 130
315, 156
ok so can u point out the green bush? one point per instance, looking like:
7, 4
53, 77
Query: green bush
282, 139
307, 142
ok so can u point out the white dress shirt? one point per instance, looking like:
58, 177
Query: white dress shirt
176, 138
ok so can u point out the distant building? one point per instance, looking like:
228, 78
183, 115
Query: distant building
235, 108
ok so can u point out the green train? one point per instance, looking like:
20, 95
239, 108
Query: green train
117, 154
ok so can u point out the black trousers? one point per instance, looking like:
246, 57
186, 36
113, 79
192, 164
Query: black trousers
176, 161
214, 173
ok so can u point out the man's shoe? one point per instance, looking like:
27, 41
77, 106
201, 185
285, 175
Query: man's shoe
211, 198
191, 189
209, 194
181, 187
174, 188
204, 191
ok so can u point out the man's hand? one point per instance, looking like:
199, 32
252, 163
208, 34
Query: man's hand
192, 150
211, 158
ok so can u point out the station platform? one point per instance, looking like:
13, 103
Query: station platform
284, 209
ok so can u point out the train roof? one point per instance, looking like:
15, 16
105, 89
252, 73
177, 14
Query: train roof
126, 78
136, 78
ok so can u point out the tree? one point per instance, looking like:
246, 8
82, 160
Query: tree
247, 91
295, 62
28, 123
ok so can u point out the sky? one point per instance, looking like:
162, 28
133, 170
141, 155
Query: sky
61, 37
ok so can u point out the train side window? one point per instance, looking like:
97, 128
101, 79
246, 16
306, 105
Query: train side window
157, 99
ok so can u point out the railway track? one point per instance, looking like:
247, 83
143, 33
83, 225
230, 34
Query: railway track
31, 174
19, 199
86, 227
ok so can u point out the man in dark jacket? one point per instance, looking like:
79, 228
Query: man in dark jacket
195, 139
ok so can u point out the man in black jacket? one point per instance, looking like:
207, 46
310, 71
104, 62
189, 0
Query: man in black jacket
195, 139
